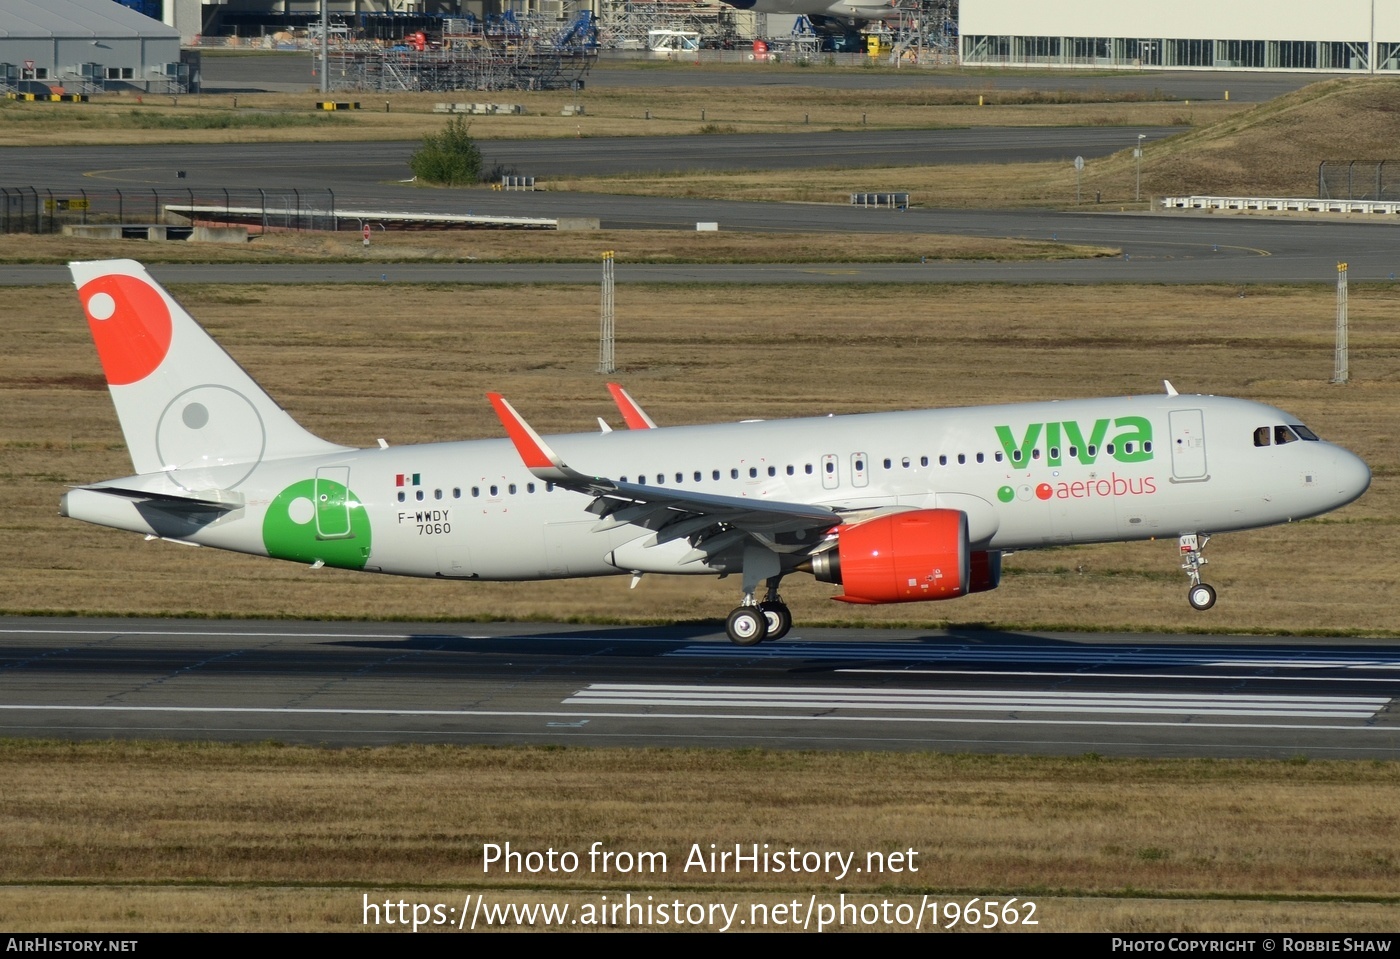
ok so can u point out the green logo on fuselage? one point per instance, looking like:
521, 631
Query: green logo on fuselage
318, 519
1066, 440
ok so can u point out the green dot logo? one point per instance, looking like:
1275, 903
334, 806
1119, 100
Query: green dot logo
1006, 494
318, 519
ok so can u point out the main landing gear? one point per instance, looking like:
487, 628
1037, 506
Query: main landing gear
751, 623
1200, 595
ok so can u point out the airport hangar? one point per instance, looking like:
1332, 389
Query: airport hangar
1348, 36
83, 46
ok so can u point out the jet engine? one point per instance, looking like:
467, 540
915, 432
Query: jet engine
906, 557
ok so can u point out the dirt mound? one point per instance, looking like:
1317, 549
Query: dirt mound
1275, 148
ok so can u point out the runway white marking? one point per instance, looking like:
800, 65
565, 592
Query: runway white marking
982, 700
575, 715
1084, 674
1089, 655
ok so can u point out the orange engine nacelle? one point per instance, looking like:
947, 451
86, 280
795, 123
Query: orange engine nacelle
905, 558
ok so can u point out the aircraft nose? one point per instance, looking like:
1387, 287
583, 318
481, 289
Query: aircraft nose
1351, 475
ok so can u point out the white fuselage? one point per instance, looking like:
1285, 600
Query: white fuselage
1027, 475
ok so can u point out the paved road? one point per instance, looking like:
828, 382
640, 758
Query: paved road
292, 73
376, 170
371, 683
1154, 249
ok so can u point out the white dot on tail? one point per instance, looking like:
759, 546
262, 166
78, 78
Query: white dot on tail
101, 306
300, 510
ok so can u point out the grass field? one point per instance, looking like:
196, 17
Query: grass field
176, 836
551, 246
631, 111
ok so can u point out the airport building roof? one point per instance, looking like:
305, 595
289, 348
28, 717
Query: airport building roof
76, 18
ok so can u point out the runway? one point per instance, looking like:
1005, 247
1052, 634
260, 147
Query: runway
350, 684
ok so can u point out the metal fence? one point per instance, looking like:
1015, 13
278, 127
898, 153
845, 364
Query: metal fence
1376, 180
29, 209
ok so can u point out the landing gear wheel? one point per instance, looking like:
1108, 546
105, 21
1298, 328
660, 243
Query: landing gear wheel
779, 619
747, 626
1201, 596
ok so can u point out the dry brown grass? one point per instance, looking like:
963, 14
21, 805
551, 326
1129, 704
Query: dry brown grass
1272, 149
264, 837
639, 111
343, 359
549, 246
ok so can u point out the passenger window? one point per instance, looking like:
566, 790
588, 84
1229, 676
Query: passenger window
979, 457
923, 460
476, 491
698, 476
962, 458
680, 478
529, 487
860, 465
1128, 447
942, 459
999, 456
772, 471
753, 472
714, 474
456, 492
887, 462
904, 462
494, 490
1147, 446
1035, 454
419, 496
1092, 450
512, 489
808, 468
401, 496
790, 470
1073, 451
831, 467
1261, 436
733, 474
1108, 449
437, 494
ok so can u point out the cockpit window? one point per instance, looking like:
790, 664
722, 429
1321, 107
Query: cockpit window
1304, 432
1283, 434
1261, 436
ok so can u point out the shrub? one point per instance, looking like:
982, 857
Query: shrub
449, 158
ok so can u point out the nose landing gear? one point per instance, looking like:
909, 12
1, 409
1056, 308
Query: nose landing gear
1200, 595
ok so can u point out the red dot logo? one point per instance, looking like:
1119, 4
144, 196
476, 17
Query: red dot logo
1043, 491
130, 324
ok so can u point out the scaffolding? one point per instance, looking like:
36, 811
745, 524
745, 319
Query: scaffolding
925, 32
624, 25
506, 52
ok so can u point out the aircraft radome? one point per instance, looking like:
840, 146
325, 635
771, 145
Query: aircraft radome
892, 507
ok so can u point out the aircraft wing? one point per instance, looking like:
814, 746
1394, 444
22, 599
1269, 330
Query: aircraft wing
678, 512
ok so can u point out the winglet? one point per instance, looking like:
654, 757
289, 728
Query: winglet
538, 457
634, 416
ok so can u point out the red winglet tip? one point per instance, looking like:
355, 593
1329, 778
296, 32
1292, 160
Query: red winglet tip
527, 442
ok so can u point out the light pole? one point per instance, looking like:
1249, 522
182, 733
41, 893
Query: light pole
1137, 193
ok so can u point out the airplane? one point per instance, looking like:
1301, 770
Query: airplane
891, 507
846, 10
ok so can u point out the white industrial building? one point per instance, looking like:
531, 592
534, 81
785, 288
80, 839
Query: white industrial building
85, 45
1354, 36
